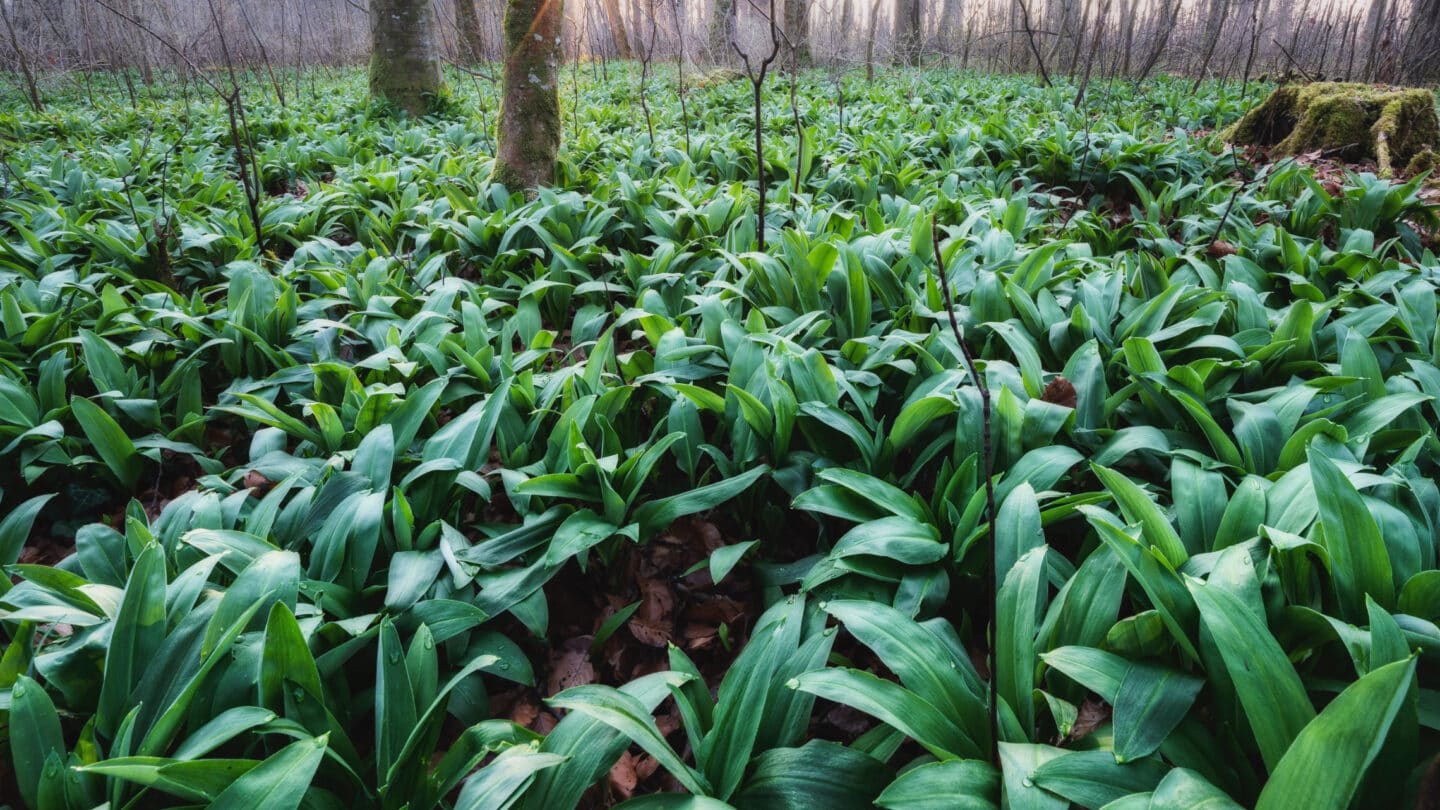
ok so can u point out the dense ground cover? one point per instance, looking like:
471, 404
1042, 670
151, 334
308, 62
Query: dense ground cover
587, 491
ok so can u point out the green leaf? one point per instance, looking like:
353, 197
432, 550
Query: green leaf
673, 801
495, 784
1275, 702
137, 633
1017, 604
1184, 789
224, 727
591, 747
893, 705
289, 677
279, 782
1150, 703
629, 716
724, 559
1326, 763
35, 734
578, 534
109, 441
196, 781
951, 785
925, 664
817, 774
394, 701
658, 514
902, 539
1360, 564
1093, 778
1138, 508
15, 528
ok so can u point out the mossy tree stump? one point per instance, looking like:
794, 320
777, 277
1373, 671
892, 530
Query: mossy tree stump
1394, 126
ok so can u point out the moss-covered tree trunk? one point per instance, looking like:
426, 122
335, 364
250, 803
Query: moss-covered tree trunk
530, 106
404, 54
797, 31
470, 33
907, 31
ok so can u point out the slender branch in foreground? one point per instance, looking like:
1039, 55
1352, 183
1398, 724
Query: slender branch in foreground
991, 587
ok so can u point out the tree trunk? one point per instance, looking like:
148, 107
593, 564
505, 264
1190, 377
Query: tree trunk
1420, 60
847, 21
1376, 30
470, 33
1219, 11
617, 29
907, 31
529, 136
949, 16
30, 87
404, 54
1169, 16
1128, 42
797, 31
722, 28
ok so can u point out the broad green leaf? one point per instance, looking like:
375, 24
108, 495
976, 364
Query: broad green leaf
1360, 563
950, 785
817, 774
109, 440
893, 705
1151, 701
1138, 508
1020, 599
1324, 766
497, 783
279, 782
139, 629
35, 734
1275, 702
628, 715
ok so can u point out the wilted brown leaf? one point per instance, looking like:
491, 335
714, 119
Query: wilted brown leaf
1060, 391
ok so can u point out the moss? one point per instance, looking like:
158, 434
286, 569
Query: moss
1392, 125
1423, 162
718, 76
529, 126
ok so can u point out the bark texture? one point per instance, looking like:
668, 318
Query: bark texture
907, 31
470, 33
529, 136
722, 28
1420, 62
405, 54
797, 31
616, 21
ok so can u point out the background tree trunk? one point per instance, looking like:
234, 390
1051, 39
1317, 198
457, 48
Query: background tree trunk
907, 31
847, 21
404, 54
529, 136
722, 28
1420, 61
1376, 30
616, 22
470, 33
30, 87
797, 31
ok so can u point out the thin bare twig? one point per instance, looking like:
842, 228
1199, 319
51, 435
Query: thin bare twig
991, 589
